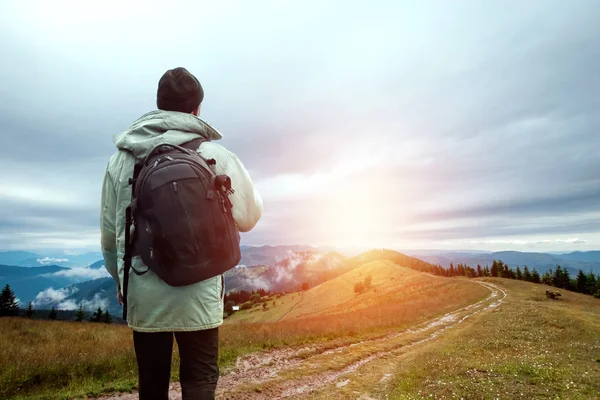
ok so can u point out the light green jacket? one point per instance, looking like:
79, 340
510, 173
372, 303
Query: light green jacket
154, 306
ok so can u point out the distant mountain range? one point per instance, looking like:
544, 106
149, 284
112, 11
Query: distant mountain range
84, 280
30, 259
584, 260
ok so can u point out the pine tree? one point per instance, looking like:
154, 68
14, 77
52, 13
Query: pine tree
53, 314
106, 318
494, 269
526, 274
29, 311
80, 314
97, 317
535, 276
581, 282
479, 271
9, 306
590, 283
519, 274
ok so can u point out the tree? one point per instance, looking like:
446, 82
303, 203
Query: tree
304, 285
479, 271
590, 283
29, 311
53, 314
97, 317
526, 274
535, 276
494, 271
106, 318
9, 306
80, 314
359, 287
581, 282
519, 275
548, 277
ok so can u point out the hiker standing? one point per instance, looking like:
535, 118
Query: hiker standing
173, 204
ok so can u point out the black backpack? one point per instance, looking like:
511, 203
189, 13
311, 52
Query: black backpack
180, 209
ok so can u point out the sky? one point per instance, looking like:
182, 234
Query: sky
422, 124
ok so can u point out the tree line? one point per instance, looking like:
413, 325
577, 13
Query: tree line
558, 277
9, 307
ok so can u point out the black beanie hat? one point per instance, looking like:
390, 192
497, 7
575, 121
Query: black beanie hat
179, 90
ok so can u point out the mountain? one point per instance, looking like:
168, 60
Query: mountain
46, 281
269, 255
28, 282
93, 294
30, 259
97, 264
587, 261
287, 274
585, 256
16, 257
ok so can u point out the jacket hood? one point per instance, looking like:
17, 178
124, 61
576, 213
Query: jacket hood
158, 127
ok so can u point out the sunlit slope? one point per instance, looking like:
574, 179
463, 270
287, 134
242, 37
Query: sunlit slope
392, 286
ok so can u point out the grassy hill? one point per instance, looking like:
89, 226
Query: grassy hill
414, 336
391, 285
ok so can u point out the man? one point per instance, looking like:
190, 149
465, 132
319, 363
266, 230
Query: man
156, 311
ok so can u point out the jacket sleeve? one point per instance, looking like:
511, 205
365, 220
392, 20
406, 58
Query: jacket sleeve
108, 213
247, 202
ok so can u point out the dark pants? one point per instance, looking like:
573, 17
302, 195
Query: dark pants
198, 353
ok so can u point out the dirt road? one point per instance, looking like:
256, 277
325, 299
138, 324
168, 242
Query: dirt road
297, 372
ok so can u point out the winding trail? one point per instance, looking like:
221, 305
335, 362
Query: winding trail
296, 372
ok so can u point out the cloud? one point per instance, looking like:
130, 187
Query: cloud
51, 260
85, 273
95, 302
51, 297
389, 123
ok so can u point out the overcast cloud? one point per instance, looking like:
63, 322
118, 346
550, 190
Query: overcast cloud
407, 124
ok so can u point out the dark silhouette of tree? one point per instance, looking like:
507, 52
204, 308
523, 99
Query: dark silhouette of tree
526, 274
535, 276
29, 311
548, 277
494, 271
53, 314
9, 306
80, 314
591, 283
518, 274
479, 271
97, 317
581, 282
106, 318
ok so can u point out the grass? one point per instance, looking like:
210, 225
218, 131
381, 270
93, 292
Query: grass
64, 360
530, 347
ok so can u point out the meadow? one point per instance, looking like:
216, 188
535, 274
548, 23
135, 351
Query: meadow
65, 360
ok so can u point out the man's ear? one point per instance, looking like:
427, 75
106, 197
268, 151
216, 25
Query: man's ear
196, 112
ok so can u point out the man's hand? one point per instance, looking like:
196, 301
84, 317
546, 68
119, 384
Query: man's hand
119, 297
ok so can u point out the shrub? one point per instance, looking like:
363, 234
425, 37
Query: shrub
359, 287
